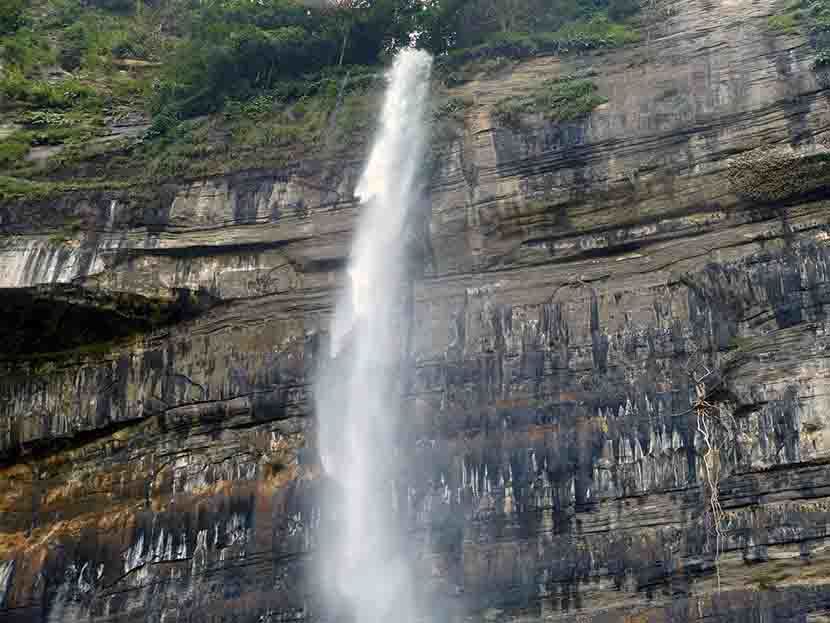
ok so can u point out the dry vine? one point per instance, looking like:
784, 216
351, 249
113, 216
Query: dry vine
714, 428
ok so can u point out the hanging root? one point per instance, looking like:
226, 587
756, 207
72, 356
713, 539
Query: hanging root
715, 430
711, 471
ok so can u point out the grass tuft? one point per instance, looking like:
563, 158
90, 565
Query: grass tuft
559, 100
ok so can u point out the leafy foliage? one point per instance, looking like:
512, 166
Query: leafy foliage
12, 150
43, 94
596, 32
242, 83
814, 18
786, 23
239, 49
25, 50
16, 188
470, 28
558, 100
44, 127
224, 50
11, 15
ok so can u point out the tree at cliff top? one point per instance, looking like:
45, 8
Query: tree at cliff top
276, 69
237, 48
11, 15
454, 25
216, 50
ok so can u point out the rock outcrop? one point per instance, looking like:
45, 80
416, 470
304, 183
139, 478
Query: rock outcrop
619, 401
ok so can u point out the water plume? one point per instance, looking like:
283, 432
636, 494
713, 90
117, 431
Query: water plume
364, 562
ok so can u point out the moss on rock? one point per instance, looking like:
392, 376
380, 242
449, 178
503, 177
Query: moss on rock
770, 175
561, 99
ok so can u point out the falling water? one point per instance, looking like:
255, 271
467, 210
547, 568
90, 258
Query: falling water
359, 396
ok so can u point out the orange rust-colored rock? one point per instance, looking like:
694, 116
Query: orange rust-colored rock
573, 282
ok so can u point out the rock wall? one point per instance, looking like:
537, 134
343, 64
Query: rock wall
581, 288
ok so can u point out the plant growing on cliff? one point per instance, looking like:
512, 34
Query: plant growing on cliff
12, 150
66, 94
560, 99
14, 188
595, 31
237, 50
715, 429
11, 15
814, 19
241, 49
786, 23
302, 68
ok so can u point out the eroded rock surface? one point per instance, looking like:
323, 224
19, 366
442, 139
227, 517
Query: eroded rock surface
574, 282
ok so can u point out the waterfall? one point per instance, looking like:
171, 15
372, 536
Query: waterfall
364, 565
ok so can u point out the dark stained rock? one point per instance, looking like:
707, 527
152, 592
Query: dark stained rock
574, 283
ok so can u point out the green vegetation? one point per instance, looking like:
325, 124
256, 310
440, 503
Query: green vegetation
46, 127
11, 15
786, 23
452, 107
19, 188
598, 31
562, 99
813, 18
230, 84
237, 50
454, 26
816, 15
12, 150
41, 94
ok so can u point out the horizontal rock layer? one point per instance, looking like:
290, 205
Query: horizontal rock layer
579, 287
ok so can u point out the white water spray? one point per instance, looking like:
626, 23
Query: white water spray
359, 398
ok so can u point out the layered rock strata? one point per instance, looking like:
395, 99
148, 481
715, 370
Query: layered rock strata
614, 319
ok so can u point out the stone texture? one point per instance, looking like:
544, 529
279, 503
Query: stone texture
572, 280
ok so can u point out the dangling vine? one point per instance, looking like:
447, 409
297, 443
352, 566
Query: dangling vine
715, 428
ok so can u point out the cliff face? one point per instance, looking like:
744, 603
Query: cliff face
619, 405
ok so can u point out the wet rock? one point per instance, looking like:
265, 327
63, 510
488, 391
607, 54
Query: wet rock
574, 282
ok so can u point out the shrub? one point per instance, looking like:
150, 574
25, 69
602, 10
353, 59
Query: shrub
15, 86
622, 9
822, 59
452, 107
12, 151
11, 15
88, 42
163, 123
596, 32
814, 18
558, 100
25, 50
117, 6
355, 119
140, 38
786, 23
71, 55
45, 118
15, 146
131, 45
15, 189
47, 95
